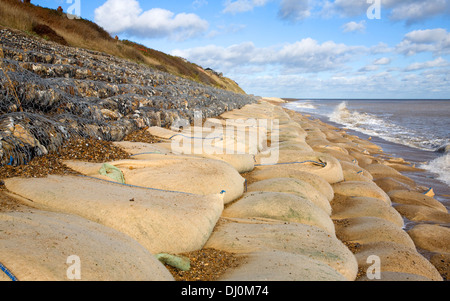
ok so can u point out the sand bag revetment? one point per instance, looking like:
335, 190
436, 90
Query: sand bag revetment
160, 221
38, 245
175, 173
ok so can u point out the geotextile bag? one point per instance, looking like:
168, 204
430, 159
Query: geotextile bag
36, 246
161, 221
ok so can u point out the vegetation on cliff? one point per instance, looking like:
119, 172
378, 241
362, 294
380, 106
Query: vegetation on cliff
54, 25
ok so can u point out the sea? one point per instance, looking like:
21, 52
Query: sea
417, 130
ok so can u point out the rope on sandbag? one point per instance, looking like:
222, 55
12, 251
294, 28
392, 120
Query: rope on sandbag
148, 153
8, 272
319, 163
202, 138
148, 188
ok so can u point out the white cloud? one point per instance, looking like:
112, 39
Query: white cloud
349, 8
382, 61
240, 6
199, 3
126, 16
439, 62
380, 48
411, 11
294, 10
353, 26
368, 68
306, 56
436, 41
414, 11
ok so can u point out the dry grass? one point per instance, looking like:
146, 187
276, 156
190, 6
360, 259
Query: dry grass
86, 34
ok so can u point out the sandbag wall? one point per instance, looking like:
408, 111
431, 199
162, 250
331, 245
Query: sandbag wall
314, 213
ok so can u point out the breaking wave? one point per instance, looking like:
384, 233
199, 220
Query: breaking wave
382, 127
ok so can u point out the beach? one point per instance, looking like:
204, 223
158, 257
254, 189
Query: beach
280, 188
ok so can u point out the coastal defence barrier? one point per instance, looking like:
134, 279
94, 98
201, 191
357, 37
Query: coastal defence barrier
294, 223
50, 93
292, 198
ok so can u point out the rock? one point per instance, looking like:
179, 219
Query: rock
92, 92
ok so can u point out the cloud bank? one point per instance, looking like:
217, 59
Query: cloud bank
127, 17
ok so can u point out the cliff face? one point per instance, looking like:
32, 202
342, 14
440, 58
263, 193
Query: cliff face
55, 25
50, 92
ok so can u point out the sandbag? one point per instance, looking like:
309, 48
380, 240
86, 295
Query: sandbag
396, 258
383, 171
162, 222
367, 145
422, 213
353, 172
364, 189
162, 132
327, 145
319, 183
319, 164
251, 235
369, 229
281, 266
280, 206
338, 154
415, 198
134, 148
394, 276
241, 162
388, 184
350, 207
433, 238
441, 261
175, 173
36, 246
363, 159
404, 166
293, 145
293, 186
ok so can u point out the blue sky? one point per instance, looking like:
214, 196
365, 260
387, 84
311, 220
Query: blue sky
295, 48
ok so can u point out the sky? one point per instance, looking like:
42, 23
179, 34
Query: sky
294, 48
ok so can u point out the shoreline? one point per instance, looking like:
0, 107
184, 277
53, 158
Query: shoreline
351, 228
412, 155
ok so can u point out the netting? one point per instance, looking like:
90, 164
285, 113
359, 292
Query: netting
50, 93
